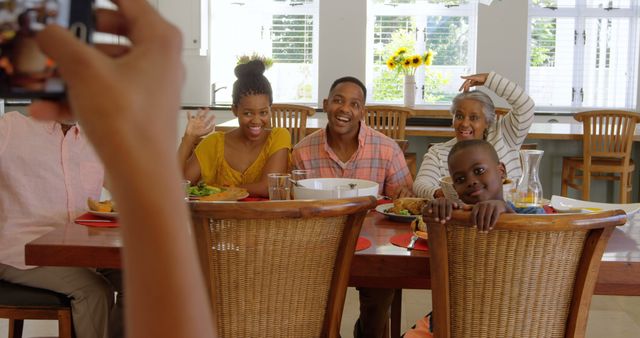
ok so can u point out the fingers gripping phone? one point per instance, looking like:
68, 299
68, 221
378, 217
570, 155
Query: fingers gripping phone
26, 72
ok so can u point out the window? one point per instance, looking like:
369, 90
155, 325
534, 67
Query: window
284, 30
445, 27
583, 53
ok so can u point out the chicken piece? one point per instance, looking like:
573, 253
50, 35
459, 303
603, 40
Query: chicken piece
414, 205
397, 207
104, 206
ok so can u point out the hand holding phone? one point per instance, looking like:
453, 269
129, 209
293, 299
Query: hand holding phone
26, 72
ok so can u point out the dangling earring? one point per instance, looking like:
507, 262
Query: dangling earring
485, 133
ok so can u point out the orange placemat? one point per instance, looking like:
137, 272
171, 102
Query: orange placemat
362, 244
102, 222
403, 240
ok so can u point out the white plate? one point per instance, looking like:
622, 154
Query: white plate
104, 214
565, 204
382, 208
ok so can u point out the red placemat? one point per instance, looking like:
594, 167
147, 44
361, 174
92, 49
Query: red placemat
384, 201
253, 199
403, 240
362, 244
86, 218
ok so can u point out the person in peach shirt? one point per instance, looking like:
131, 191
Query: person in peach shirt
48, 169
127, 99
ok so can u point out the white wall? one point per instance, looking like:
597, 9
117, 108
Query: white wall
502, 39
343, 24
196, 90
502, 42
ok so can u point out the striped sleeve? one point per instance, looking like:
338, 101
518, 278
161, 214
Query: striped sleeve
434, 165
515, 125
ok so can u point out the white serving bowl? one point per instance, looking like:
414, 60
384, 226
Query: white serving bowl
329, 188
450, 192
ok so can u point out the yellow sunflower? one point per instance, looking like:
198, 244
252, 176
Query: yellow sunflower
401, 51
391, 63
406, 63
428, 58
416, 61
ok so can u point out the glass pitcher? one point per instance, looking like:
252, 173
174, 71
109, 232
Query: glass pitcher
529, 188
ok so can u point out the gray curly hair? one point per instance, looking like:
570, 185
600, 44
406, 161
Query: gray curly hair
488, 109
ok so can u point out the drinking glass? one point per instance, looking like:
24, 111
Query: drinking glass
301, 174
344, 191
186, 184
279, 186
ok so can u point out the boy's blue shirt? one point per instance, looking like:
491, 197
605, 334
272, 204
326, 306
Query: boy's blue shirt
526, 210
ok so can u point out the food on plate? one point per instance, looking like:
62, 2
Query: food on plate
419, 227
202, 189
226, 194
101, 206
408, 206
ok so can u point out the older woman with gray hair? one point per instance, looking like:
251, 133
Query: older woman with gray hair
474, 117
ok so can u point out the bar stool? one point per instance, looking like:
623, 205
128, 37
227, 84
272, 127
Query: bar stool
607, 139
19, 302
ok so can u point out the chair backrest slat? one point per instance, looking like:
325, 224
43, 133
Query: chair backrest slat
278, 269
292, 117
608, 133
389, 120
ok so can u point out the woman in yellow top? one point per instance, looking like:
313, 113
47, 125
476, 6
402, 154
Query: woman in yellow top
243, 156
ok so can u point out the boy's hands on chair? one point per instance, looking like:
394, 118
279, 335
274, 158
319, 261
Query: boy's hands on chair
484, 215
441, 208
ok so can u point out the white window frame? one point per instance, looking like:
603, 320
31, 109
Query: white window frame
470, 10
580, 13
269, 8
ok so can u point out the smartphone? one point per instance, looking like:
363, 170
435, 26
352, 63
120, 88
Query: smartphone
26, 72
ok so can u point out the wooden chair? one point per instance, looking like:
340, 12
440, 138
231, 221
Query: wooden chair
19, 302
389, 120
293, 117
532, 276
607, 139
279, 269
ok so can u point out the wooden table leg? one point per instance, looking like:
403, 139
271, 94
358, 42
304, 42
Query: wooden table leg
396, 314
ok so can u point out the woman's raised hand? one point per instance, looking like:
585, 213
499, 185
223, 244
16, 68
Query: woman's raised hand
472, 81
200, 124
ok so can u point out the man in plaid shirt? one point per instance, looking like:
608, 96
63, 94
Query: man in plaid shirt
349, 148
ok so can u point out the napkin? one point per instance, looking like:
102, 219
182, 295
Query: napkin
87, 218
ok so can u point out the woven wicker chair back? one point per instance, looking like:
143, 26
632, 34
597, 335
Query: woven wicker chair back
279, 269
529, 277
292, 117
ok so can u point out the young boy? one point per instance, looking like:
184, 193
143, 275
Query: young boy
477, 175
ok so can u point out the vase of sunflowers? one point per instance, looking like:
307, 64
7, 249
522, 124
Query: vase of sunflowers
406, 64
409, 90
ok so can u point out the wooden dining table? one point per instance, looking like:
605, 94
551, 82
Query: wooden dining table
381, 265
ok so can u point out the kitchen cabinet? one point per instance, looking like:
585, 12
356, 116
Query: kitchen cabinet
190, 16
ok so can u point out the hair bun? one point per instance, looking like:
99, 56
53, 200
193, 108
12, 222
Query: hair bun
251, 68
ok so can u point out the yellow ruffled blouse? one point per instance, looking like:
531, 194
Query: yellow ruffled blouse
216, 171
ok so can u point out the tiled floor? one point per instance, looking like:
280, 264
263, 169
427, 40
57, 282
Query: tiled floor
610, 316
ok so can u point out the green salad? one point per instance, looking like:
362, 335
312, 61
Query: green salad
203, 190
403, 212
